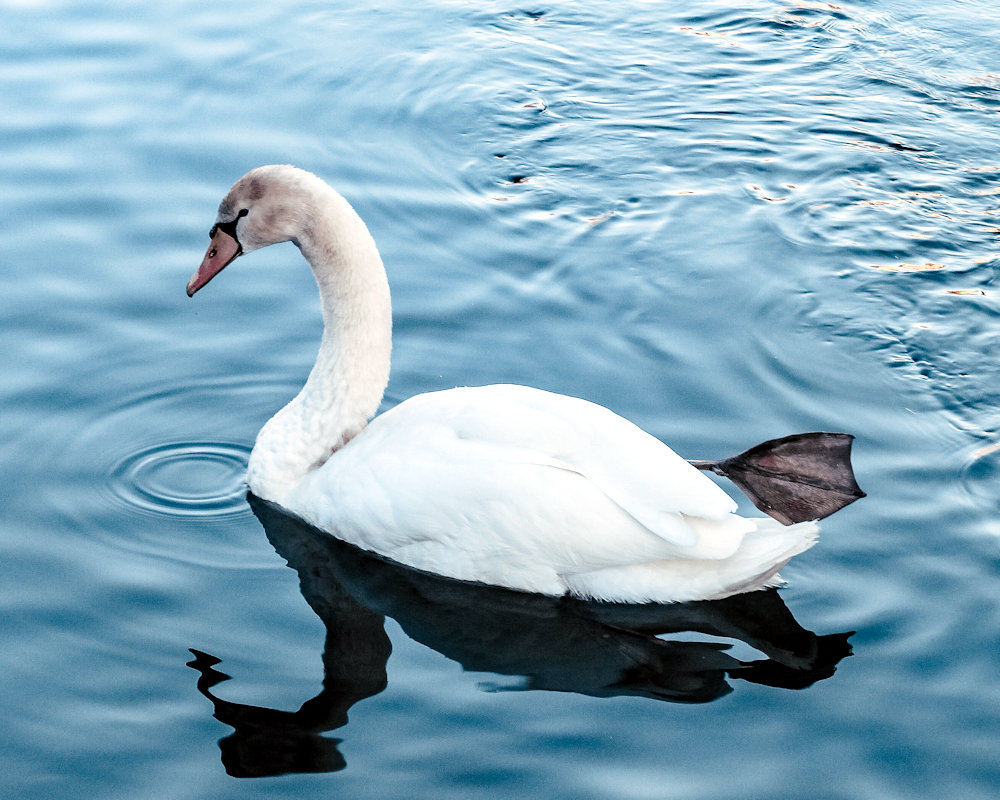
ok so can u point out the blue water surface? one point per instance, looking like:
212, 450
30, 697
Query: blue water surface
726, 221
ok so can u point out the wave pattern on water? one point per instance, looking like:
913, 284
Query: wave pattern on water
727, 221
866, 141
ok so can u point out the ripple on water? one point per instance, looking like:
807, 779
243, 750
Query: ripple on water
190, 479
161, 473
980, 473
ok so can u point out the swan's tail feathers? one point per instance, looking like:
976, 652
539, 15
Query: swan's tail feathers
755, 565
762, 554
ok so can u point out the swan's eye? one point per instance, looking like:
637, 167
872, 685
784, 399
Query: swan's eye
229, 228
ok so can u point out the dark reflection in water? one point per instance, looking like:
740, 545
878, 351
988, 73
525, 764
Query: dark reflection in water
557, 644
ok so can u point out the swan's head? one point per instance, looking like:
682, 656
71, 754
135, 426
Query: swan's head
266, 206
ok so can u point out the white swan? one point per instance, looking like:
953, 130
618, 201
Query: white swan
505, 485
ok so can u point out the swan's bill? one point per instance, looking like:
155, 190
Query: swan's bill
222, 251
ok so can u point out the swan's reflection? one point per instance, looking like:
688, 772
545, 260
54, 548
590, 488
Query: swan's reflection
559, 644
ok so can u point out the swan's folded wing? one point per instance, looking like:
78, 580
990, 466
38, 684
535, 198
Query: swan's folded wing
635, 470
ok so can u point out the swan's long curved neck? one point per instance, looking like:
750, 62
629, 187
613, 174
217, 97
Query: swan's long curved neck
346, 383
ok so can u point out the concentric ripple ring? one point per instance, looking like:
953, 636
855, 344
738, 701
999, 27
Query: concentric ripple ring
192, 479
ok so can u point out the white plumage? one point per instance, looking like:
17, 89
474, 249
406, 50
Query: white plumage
506, 485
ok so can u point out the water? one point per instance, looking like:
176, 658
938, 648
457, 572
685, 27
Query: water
727, 223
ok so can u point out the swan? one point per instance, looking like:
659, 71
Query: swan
505, 485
